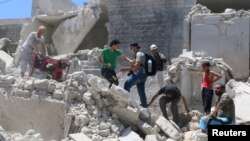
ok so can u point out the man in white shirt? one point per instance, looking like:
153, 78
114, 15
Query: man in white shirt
34, 44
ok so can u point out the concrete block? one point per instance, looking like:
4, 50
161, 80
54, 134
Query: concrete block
168, 128
41, 84
201, 137
58, 94
104, 126
21, 93
110, 139
10, 80
145, 115
97, 83
146, 128
74, 30
6, 58
151, 138
81, 120
129, 135
17, 111
51, 87
29, 85
104, 133
119, 94
79, 137
212, 20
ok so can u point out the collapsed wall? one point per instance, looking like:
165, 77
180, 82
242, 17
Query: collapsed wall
225, 35
50, 6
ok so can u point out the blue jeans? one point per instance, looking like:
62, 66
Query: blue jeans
137, 78
204, 121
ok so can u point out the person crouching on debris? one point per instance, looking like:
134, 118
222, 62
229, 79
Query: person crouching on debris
171, 94
224, 112
160, 61
137, 74
208, 79
31, 46
108, 59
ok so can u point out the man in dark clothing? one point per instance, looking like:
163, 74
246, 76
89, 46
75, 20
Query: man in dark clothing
170, 94
160, 61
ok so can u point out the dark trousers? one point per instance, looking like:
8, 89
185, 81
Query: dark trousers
164, 100
110, 75
207, 98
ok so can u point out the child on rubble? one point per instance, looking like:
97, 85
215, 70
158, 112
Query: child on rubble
208, 79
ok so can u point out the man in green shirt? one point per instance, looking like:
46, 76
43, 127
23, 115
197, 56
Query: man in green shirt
108, 58
224, 112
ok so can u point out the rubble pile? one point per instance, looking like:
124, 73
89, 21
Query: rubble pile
92, 110
8, 46
240, 92
30, 135
192, 61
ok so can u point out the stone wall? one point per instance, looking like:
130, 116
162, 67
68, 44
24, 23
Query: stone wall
11, 28
147, 22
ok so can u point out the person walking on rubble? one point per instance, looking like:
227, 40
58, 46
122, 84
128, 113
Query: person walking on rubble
34, 44
137, 74
171, 94
208, 79
224, 112
108, 59
160, 61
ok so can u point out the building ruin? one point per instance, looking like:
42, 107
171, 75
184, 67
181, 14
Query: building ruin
82, 106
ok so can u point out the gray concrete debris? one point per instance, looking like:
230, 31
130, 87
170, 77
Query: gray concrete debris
168, 128
30, 135
79, 137
151, 138
41, 84
241, 94
129, 135
6, 61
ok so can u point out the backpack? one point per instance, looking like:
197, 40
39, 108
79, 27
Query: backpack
150, 65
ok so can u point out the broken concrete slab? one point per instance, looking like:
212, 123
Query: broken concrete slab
168, 128
129, 135
79, 137
16, 109
241, 94
6, 61
70, 33
46, 6
41, 84
151, 138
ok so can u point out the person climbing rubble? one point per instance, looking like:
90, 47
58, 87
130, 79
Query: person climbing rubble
137, 74
171, 95
224, 112
34, 44
160, 61
108, 59
208, 79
